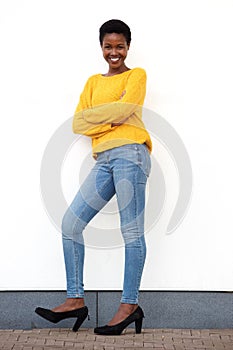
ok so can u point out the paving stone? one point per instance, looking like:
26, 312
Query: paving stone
168, 346
159, 339
148, 345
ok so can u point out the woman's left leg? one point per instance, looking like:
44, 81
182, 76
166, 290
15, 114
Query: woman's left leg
130, 190
131, 169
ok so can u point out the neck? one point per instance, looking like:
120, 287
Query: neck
115, 71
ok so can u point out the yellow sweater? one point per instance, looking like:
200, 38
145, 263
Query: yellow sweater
110, 110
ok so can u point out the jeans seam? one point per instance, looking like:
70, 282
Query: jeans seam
140, 261
140, 269
139, 157
141, 246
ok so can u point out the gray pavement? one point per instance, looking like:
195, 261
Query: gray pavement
160, 339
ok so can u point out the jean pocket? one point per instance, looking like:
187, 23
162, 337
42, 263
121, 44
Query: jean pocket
142, 158
145, 160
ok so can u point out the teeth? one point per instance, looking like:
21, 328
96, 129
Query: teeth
115, 59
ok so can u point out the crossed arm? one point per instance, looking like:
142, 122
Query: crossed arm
98, 120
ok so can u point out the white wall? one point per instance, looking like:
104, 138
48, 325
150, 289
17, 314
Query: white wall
48, 49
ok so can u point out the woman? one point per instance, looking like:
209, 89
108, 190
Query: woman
110, 112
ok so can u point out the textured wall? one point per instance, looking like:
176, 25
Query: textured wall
163, 309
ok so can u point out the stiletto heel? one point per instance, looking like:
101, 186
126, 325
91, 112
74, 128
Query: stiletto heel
138, 325
118, 328
79, 321
55, 317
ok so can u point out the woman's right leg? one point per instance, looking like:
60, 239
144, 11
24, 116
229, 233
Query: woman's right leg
93, 195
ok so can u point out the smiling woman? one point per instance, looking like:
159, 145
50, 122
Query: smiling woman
110, 112
115, 49
115, 39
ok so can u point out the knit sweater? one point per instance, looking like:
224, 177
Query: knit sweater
110, 110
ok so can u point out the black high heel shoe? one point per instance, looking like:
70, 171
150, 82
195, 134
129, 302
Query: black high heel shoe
55, 317
118, 328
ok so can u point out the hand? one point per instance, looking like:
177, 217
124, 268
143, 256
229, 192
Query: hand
123, 93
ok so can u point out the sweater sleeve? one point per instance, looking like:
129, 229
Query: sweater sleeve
80, 124
121, 110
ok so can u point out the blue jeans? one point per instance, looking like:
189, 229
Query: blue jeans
122, 171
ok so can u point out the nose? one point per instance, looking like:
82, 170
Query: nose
114, 51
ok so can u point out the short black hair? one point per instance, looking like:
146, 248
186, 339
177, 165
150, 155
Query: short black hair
115, 26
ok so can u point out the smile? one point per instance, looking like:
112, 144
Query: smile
115, 59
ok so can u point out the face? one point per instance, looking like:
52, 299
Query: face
115, 49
